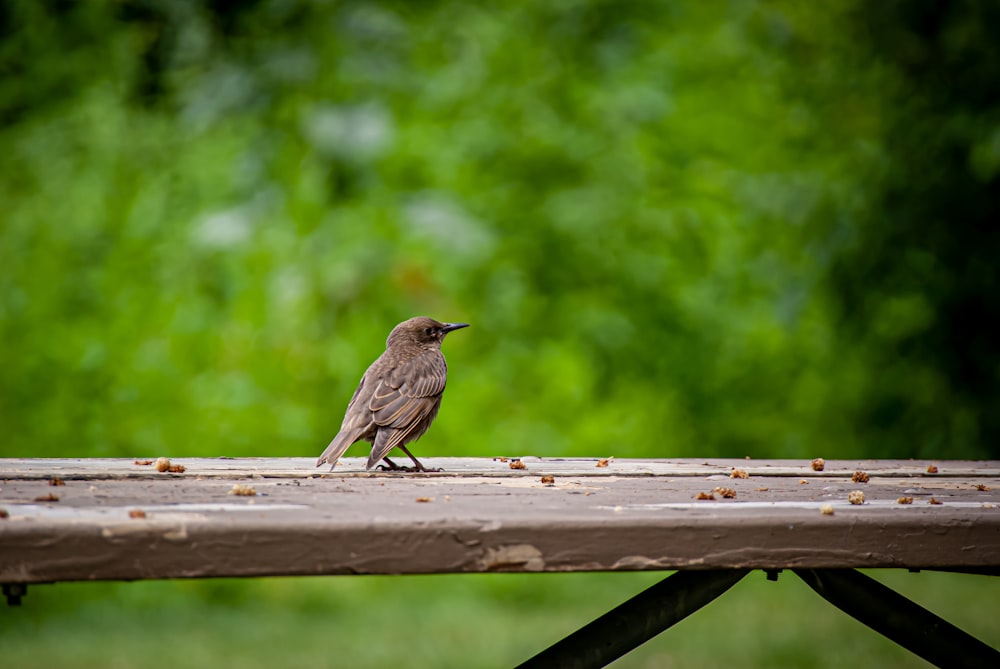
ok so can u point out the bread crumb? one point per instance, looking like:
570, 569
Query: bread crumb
55, 480
860, 477
728, 493
242, 490
826, 509
761, 489
425, 499
500, 459
803, 482
47, 498
162, 464
904, 500
604, 462
935, 501
818, 464
517, 464
136, 513
932, 469
739, 474
856, 497
983, 487
176, 469
705, 495
143, 462
548, 479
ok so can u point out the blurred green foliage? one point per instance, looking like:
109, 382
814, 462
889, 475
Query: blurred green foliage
679, 229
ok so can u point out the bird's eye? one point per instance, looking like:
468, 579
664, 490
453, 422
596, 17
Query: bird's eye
429, 330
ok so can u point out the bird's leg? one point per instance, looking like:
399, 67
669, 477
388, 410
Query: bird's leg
391, 466
417, 466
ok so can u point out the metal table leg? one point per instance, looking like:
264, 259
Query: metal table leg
896, 617
638, 620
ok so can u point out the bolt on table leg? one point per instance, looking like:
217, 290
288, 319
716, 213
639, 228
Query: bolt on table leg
14, 592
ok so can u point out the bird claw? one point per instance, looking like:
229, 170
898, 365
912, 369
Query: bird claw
390, 466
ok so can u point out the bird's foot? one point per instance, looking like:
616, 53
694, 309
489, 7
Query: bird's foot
417, 465
400, 468
391, 466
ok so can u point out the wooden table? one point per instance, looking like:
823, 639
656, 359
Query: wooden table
116, 519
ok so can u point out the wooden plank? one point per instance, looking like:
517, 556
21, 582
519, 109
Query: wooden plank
239, 468
480, 515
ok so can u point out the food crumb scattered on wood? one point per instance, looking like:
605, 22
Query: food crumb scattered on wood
242, 490
818, 464
803, 482
826, 509
164, 465
500, 459
517, 464
425, 499
761, 489
55, 480
548, 479
728, 493
860, 477
48, 498
136, 513
983, 487
904, 500
604, 462
856, 497
143, 463
739, 474
705, 495
932, 469
934, 500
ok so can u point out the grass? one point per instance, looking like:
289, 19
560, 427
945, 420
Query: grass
494, 620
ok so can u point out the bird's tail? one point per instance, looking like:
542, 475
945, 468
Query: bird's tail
336, 448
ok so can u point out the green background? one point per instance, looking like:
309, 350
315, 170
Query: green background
679, 229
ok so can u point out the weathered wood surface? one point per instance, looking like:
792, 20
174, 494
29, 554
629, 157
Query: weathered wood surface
115, 519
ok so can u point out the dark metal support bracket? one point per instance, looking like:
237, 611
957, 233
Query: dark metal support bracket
638, 620
896, 617
671, 600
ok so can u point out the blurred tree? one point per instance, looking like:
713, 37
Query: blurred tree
677, 228
918, 291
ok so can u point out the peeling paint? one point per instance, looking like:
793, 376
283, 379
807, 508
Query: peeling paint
519, 557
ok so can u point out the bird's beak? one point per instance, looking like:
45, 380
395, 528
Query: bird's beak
448, 327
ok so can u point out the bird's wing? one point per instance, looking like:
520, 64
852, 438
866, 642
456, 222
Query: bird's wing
399, 398
403, 399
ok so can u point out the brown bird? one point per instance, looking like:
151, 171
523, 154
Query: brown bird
399, 395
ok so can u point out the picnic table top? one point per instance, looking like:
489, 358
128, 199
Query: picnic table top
116, 519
